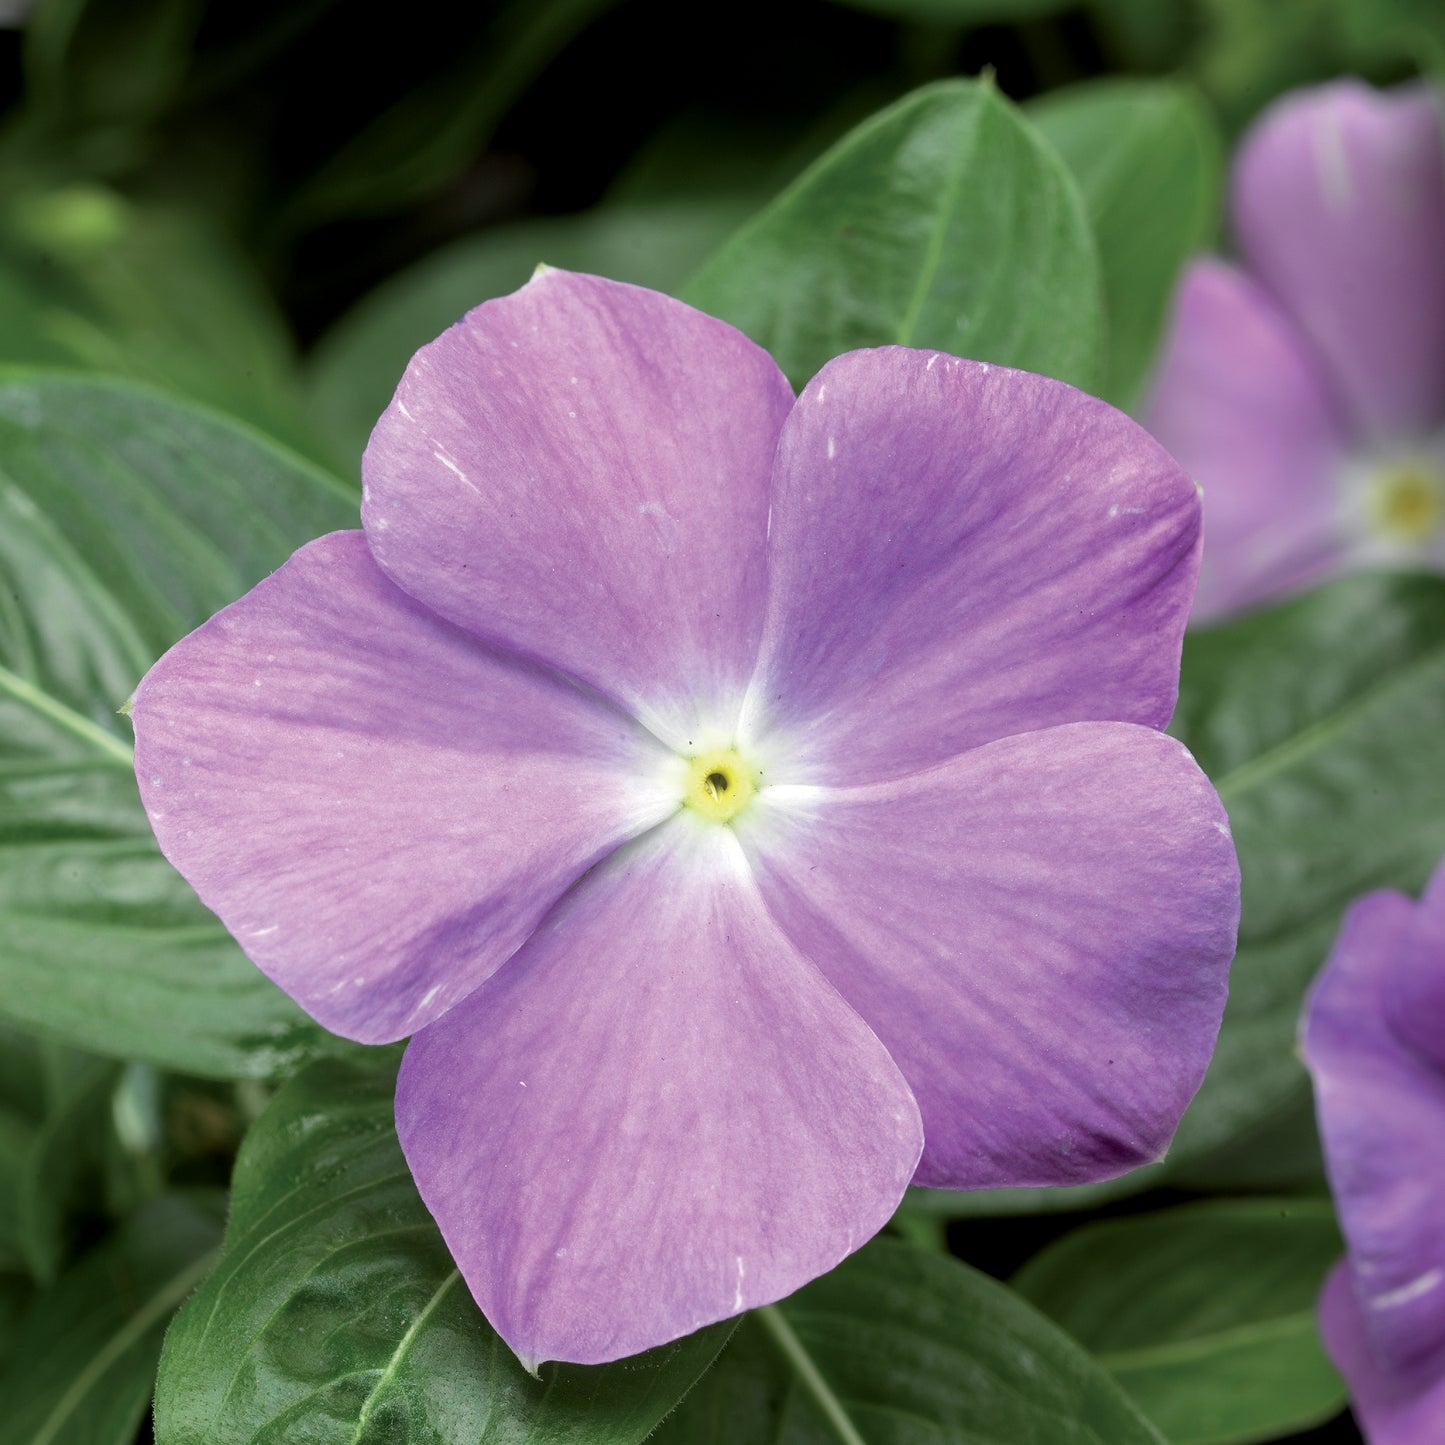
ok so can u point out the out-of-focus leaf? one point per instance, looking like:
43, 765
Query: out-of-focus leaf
1205, 1315
68, 1152
1320, 724
1146, 156
944, 221
899, 1345
82, 1369
962, 12
1375, 30
336, 1314
125, 521
1252, 50
17, 1140
17, 1292
430, 136
91, 281
100, 73
355, 368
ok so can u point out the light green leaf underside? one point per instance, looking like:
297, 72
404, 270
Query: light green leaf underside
126, 520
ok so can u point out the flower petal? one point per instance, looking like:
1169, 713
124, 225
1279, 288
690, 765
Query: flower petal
1389, 1412
1339, 204
658, 1116
1415, 991
1381, 1109
580, 472
1241, 402
1038, 930
378, 806
960, 552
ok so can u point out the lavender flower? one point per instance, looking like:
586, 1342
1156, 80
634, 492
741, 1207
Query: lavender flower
1374, 1039
751, 806
1307, 394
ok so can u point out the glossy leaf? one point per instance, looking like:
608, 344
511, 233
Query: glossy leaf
336, 1313
945, 222
1205, 1315
1320, 724
1146, 156
356, 366
898, 1346
82, 1369
125, 521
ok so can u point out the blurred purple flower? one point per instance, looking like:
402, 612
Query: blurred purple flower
1306, 395
1374, 1039
799, 761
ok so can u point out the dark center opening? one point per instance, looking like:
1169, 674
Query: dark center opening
717, 783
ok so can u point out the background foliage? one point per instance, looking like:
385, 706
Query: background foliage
224, 228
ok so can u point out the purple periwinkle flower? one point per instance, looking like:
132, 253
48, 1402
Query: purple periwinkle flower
751, 805
1374, 1039
1306, 392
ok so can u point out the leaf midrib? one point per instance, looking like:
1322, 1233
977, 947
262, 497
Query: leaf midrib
1284, 754
776, 1327
167, 1296
28, 695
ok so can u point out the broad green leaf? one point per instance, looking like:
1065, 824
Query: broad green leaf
1146, 156
125, 521
82, 1370
945, 221
336, 1313
898, 1346
1320, 724
355, 368
1205, 1315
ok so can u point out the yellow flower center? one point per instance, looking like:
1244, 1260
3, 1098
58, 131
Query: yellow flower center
719, 784
1407, 500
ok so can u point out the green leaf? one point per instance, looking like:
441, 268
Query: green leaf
1205, 1315
336, 1313
1147, 158
1320, 724
900, 1345
125, 521
81, 1373
355, 368
944, 221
